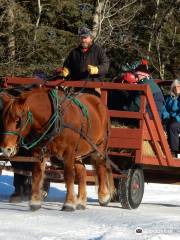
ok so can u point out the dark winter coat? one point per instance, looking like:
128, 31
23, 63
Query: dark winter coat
157, 94
77, 63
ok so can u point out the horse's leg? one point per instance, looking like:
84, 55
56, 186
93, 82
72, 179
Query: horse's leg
37, 183
81, 178
105, 179
69, 177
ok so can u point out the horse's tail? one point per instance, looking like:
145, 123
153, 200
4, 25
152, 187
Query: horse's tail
107, 135
110, 179
100, 160
108, 175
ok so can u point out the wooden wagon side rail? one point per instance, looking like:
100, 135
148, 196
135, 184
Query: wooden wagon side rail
167, 160
119, 138
125, 138
11, 80
157, 136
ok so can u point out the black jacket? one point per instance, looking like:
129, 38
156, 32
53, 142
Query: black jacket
77, 63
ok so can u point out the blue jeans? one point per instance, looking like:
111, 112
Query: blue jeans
173, 136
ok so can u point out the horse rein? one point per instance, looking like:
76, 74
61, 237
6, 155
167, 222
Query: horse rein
57, 119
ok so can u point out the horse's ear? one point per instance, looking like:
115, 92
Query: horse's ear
4, 100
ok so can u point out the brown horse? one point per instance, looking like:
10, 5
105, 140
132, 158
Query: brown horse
80, 133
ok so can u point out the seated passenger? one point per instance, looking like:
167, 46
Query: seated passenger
138, 74
39, 74
171, 117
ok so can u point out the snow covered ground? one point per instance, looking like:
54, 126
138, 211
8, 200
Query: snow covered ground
158, 217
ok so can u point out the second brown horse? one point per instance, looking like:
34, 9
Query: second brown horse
78, 133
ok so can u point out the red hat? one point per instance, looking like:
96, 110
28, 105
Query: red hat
129, 77
144, 62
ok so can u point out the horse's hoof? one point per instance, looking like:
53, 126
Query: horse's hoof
35, 207
80, 207
104, 201
15, 199
68, 208
104, 204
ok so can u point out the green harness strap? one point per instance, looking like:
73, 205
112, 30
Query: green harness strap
29, 120
55, 116
76, 101
83, 108
51, 122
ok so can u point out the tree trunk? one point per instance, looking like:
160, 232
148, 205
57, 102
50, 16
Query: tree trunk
11, 38
97, 18
153, 29
38, 19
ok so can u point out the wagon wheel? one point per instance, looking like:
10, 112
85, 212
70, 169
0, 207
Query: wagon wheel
131, 189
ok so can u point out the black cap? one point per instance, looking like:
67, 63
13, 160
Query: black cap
141, 65
84, 32
142, 68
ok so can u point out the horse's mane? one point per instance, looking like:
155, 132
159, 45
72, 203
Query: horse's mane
25, 95
11, 110
15, 104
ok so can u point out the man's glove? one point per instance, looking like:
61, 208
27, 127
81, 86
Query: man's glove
63, 71
98, 90
93, 70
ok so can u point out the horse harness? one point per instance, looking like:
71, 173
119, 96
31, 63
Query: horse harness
56, 125
82, 131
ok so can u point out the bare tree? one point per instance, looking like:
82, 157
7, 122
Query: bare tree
38, 19
153, 28
11, 37
97, 19
110, 16
7, 27
157, 31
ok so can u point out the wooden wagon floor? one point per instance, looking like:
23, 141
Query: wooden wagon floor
158, 216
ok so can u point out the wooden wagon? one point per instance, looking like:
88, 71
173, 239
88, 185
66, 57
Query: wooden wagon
132, 164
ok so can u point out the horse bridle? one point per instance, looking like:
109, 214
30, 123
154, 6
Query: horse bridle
18, 133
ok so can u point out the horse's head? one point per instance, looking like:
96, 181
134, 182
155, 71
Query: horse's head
29, 112
16, 125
